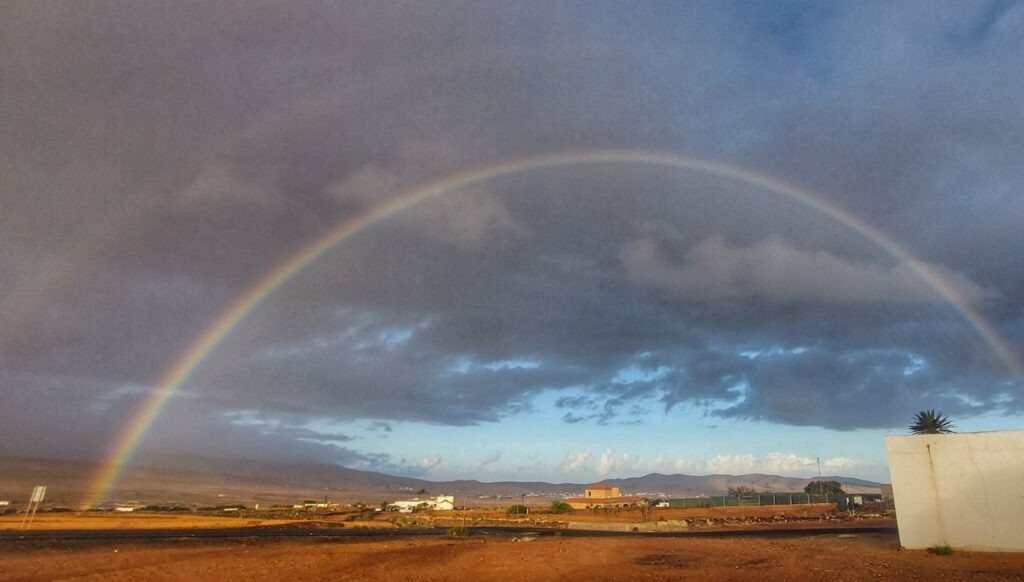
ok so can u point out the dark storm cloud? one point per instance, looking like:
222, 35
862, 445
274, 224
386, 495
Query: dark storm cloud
160, 158
820, 389
240, 434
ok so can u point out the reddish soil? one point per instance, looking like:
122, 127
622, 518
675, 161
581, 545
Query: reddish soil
696, 513
832, 557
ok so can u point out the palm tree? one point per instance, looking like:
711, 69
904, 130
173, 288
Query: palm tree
930, 422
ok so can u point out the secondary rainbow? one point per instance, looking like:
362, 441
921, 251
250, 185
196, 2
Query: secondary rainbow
201, 347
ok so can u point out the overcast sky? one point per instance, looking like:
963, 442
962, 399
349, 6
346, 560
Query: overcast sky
599, 320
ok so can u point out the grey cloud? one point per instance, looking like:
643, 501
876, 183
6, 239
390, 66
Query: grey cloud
159, 159
714, 270
581, 401
857, 389
489, 460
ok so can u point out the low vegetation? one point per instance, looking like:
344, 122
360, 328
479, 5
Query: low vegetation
819, 487
930, 422
458, 531
559, 507
165, 508
741, 491
517, 510
941, 550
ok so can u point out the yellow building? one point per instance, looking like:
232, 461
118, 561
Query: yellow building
604, 496
601, 490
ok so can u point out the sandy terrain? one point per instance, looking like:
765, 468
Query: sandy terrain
695, 519
753, 517
103, 520
813, 510
131, 521
857, 557
141, 520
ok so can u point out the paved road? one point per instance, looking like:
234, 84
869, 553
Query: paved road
278, 532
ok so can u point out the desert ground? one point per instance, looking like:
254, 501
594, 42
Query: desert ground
90, 521
834, 557
695, 518
850, 556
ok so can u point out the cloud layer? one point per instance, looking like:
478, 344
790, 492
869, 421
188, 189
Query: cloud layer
160, 159
774, 463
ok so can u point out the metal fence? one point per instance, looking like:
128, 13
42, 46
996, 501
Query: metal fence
841, 500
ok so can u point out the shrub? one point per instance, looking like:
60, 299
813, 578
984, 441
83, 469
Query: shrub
458, 531
517, 510
168, 508
741, 491
931, 422
560, 507
824, 487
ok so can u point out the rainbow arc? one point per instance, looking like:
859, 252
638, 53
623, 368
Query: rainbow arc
206, 342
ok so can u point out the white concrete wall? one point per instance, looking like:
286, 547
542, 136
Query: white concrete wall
964, 490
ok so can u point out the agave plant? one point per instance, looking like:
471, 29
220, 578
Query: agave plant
930, 422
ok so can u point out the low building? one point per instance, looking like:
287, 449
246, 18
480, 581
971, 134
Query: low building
440, 503
605, 496
312, 505
886, 491
444, 503
601, 490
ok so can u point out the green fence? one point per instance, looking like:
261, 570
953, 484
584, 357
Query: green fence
841, 500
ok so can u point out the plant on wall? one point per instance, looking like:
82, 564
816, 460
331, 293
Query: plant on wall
931, 422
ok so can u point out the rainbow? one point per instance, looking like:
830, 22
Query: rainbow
203, 345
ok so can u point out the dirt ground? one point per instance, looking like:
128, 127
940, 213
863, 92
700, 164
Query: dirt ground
696, 513
833, 557
169, 520
721, 516
635, 515
45, 521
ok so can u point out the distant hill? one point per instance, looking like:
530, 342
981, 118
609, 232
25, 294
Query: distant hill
197, 480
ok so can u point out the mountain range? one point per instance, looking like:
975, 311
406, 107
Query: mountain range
198, 480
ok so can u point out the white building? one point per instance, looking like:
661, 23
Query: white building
963, 490
440, 503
